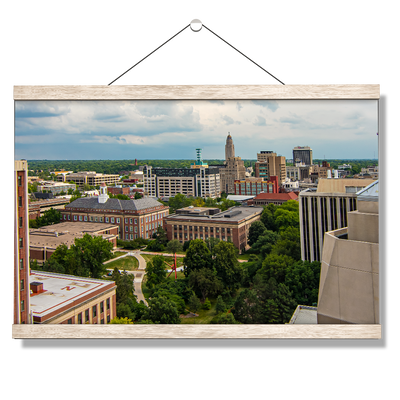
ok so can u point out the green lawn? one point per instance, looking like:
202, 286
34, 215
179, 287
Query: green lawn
128, 263
118, 253
169, 260
205, 316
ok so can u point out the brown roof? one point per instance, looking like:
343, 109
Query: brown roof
276, 196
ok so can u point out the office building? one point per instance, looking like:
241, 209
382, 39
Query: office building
21, 244
349, 281
66, 299
203, 223
134, 218
168, 182
90, 178
255, 186
302, 154
55, 187
234, 168
269, 164
325, 209
44, 241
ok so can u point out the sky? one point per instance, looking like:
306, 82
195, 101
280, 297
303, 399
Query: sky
173, 129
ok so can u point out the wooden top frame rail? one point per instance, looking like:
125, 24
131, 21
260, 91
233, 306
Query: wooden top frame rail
191, 92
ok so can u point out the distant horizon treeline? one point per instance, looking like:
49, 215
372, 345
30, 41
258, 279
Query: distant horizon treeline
116, 166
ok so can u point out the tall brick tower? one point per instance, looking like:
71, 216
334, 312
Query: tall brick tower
229, 148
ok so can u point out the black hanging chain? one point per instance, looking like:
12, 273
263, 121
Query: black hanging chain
195, 26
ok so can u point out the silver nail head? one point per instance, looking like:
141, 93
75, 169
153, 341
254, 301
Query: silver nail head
196, 25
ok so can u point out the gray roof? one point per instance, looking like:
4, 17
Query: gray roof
369, 193
114, 204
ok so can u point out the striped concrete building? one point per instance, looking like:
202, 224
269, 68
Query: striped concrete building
325, 210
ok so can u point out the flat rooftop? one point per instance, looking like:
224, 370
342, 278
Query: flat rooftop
60, 292
65, 232
304, 315
234, 214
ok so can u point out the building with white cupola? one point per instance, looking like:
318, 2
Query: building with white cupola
134, 218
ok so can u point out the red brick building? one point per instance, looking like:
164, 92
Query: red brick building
118, 190
21, 244
254, 186
66, 299
134, 218
203, 223
263, 199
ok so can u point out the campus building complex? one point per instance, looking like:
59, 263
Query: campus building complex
302, 154
134, 218
254, 186
202, 223
90, 178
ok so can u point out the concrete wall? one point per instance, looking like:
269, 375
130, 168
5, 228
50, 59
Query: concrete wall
349, 282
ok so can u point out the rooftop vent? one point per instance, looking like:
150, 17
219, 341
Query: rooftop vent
36, 287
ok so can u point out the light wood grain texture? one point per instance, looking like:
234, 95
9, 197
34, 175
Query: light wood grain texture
196, 331
225, 92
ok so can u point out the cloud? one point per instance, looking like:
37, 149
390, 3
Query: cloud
260, 121
30, 109
228, 120
219, 102
273, 105
238, 106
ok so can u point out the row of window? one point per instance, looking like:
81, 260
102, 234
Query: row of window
113, 220
200, 229
94, 313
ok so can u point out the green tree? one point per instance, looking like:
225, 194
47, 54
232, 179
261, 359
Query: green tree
265, 243
302, 278
227, 266
288, 243
268, 217
92, 252
162, 311
220, 306
118, 320
285, 218
194, 303
138, 196
226, 319
256, 230
211, 242
204, 282
178, 201
198, 256
275, 266
173, 246
155, 271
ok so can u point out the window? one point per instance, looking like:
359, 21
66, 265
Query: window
135, 221
19, 201
101, 219
126, 220
64, 217
80, 218
19, 180
108, 319
126, 229
21, 244
131, 229
102, 321
80, 318
87, 315
70, 321
22, 305
112, 220
102, 307
20, 222
69, 217
107, 220
85, 218
130, 221
108, 304
118, 220
94, 311
75, 218
22, 284
21, 263
95, 219
127, 236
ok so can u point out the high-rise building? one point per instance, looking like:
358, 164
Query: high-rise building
302, 154
168, 182
325, 210
234, 168
269, 164
21, 245
229, 148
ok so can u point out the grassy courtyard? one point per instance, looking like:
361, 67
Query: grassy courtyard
127, 263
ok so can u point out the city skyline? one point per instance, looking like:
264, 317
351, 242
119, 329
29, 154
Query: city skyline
169, 129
